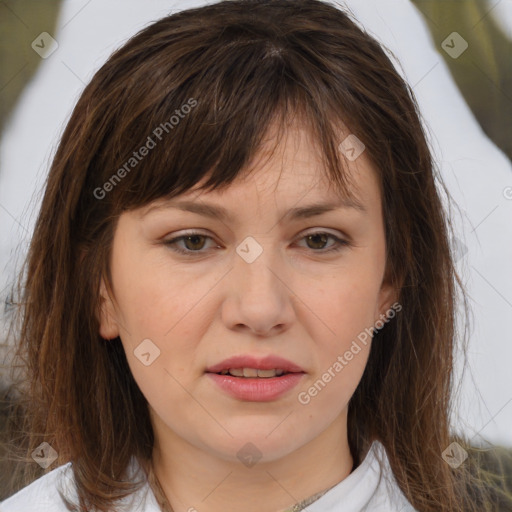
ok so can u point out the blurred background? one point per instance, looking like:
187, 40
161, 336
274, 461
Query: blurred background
455, 54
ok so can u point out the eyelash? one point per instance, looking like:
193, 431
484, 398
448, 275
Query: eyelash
338, 246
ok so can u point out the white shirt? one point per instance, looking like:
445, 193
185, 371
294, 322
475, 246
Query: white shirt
371, 487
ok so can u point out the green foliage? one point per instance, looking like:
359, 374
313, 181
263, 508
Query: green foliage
483, 72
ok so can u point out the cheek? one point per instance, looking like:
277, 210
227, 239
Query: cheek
155, 297
346, 302
342, 349
164, 305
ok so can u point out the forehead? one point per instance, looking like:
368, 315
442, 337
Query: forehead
289, 168
290, 158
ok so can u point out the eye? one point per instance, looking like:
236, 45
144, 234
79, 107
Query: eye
194, 242
320, 238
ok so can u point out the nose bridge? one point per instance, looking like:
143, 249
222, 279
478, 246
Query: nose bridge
257, 296
256, 256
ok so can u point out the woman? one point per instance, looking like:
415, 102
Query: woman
189, 345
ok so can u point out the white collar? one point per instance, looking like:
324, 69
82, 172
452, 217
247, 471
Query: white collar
371, 487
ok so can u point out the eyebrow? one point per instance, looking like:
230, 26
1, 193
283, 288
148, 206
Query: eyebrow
219, 212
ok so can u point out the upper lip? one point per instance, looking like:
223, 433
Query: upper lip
269, 362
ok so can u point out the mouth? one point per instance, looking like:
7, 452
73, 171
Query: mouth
250, 366
252, 378
254, 373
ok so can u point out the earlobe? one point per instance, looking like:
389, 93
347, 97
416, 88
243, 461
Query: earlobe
108, 326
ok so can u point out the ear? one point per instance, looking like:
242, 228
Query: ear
108, 325
388, 296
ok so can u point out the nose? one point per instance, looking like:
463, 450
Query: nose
258, 297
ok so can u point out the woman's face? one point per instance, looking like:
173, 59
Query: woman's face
252, 284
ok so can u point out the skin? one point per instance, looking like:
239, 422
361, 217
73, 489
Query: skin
295, 300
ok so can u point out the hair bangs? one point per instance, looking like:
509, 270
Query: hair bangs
256, 87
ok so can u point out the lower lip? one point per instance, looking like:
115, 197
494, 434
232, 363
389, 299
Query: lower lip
257, 389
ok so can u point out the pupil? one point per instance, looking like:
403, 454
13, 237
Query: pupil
193, 237
310, 237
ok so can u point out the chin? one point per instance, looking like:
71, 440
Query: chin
265, 445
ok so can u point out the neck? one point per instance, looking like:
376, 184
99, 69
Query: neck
194, 478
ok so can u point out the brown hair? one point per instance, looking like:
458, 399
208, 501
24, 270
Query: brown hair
239, 65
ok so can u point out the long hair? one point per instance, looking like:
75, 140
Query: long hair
199, 89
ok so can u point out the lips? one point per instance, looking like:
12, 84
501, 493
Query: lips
255, 379
256, 389
246, 363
